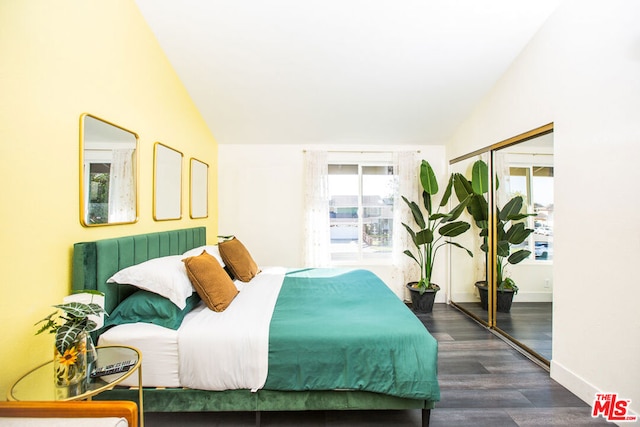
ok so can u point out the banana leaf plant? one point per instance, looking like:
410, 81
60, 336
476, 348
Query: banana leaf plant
68, 322
434, 227
510, 228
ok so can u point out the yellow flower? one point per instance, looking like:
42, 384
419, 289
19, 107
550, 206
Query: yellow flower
82, 346
69, 357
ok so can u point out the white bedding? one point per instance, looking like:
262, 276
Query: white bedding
235, 351
234, 355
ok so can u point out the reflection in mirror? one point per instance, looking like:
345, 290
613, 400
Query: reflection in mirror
167, 183
520, 241
467, 272
199, 189
108, 184
526, 170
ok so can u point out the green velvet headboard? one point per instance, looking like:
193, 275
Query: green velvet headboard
94, 262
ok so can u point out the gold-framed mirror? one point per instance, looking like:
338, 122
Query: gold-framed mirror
517, 254
167, 183
108, 173
199, 189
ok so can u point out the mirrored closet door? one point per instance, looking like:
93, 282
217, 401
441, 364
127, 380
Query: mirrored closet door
508, 285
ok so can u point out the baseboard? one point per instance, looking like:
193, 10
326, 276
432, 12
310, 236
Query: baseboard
575, 384
521, 297
534, 297
580, 387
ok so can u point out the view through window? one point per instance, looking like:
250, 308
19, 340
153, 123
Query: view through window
99, 174
535, 185
361, 211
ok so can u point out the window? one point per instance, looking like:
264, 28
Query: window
98, 197
361, 197
535, 184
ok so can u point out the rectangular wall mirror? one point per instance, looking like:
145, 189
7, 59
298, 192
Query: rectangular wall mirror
167, 183
108, 173
199, 189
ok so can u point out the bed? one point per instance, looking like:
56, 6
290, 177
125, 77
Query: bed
301, 328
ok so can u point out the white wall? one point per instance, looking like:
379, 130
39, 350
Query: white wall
582, 72
261, 202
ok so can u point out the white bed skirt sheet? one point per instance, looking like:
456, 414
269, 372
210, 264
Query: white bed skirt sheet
159, 348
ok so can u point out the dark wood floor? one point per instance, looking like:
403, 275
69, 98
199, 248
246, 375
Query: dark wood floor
528, 322
483, 381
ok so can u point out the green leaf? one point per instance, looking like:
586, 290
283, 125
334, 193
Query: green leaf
410, 255
47, 324
417, 213
428, 178
461, 247
512, 208
518, 217
447, 192
66, 335
478, 208
426, 201
517, 233
502, 248
79, 309
461, 186
454, 229
458, 210
88, 291
424, 236
411, 233
91, 325
501, 235
480, 177
437, 216
518, 256
508, 283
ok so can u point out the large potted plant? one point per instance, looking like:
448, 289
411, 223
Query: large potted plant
434, 227
510, 231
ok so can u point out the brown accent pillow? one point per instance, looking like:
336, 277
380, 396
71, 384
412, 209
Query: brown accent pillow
238, 259
211, 282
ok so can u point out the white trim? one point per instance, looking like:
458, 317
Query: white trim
575, 384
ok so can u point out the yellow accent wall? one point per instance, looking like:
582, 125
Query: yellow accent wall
58, 60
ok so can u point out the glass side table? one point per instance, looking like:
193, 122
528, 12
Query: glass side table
38, 384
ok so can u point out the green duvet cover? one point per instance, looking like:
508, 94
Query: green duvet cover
344, 329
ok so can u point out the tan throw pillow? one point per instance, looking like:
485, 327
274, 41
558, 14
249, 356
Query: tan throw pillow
211, 282
237, 259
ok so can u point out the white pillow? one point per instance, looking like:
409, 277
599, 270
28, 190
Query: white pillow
211, 250
165, 276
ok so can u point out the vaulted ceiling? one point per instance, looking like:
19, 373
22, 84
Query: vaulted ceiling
340, 71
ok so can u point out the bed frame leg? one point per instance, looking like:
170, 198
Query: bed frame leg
257, 418
426, 415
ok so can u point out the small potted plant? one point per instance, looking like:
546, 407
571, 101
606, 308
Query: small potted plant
510, 231
70, 323
433, 229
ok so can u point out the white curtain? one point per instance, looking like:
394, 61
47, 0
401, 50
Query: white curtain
501, 169
316, 209
405, 269
122, 189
